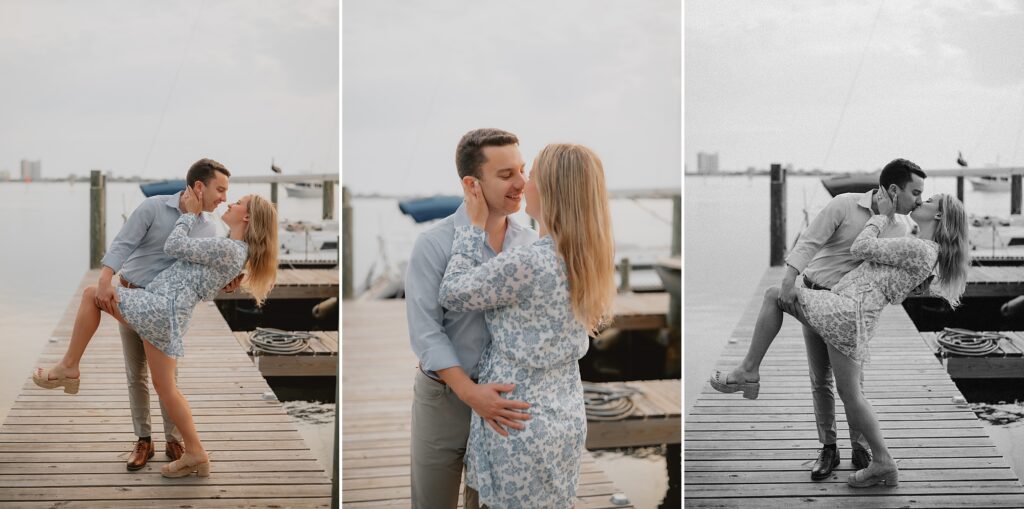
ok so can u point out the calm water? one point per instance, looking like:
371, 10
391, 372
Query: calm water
726, 251
44, 254
643, 233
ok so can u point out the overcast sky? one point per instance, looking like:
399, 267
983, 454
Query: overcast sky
418, 75
767, 82
84, 83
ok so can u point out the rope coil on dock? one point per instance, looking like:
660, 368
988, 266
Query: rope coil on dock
266, 340
608, 404
969, 343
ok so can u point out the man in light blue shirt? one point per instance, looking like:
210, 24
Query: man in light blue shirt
448, 344
137, 255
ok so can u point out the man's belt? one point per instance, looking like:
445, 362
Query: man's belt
814, 286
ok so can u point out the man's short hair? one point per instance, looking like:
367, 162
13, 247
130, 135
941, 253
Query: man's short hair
469, 155
899, 172
204, 170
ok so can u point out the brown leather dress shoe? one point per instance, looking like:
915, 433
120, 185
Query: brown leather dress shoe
174, 449
142, 452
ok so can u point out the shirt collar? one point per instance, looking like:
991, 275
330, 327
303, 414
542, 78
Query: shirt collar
173, 200
865, 200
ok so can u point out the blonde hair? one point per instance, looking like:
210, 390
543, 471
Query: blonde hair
261, 238
954, 250
574, 208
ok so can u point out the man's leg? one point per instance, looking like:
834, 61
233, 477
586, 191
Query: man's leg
823, 396
138, 395
440, 430
820, 371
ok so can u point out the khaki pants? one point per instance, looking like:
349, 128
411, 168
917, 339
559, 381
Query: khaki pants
820, 369
137, 369
440, 430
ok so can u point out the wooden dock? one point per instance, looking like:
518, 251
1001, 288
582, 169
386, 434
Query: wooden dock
297, 284
60, 450
655, 418
1007, 361
758, 453
321, 359
377, 375
995, 281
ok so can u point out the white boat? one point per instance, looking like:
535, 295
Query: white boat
308, 243
999, 183
305, 190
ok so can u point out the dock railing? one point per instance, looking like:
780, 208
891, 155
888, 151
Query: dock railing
623, 267
98, 198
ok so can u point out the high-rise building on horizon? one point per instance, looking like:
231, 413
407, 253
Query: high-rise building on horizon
707, 163
31, 170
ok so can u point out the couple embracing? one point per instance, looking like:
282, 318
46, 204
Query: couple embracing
499, 316
861, 253
168, 257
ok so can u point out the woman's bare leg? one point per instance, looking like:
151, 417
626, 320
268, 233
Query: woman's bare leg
858, 410
86, 322
161, 367
769, 322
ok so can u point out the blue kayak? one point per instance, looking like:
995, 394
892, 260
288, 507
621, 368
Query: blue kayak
428, 209
162, 187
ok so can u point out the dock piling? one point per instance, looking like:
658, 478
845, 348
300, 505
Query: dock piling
624, 275
1015, 194
347, 291
97, 218
329, 199
778, 215
960, 188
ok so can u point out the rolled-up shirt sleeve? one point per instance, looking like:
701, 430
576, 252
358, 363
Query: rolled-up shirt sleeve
815, 235
425, 315
130, 236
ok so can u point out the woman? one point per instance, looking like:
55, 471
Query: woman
847, 315
541, 301
161, 312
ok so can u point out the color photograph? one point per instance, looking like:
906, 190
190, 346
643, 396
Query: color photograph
169, 311
511, 266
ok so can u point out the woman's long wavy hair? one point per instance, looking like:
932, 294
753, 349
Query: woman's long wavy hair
954, 250
574, 209
261, 238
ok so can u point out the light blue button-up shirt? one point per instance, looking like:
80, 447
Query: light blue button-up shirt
138, 249
442, 338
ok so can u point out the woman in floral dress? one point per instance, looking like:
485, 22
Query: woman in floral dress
161, 312
846, 315
541, 302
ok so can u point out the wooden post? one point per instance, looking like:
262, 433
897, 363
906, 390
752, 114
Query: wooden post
1015, 195
778, 216
329, 199
273, 193
335, 479
97, 218
677, 224
347, 291
624, 275
960, 188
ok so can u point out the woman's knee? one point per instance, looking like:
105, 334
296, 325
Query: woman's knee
772, 294
89, 294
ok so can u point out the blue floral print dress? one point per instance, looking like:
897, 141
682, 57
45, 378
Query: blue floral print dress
161, 312
536, 345
847, 315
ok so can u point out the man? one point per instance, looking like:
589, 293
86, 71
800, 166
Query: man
137, 255
823, 256
449, 344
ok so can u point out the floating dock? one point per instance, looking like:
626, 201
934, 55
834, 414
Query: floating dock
297, 284
69, 451
378, 370
758, 453
320, 359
